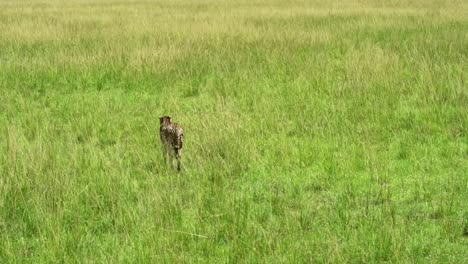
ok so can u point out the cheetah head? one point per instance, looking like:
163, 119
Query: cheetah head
164, 120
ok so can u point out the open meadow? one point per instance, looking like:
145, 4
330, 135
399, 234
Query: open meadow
315, 131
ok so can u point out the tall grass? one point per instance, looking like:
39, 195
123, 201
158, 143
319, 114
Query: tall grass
316, 131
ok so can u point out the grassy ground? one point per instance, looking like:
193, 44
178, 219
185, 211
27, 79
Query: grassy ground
316, 131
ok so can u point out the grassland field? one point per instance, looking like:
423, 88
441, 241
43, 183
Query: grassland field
315, 131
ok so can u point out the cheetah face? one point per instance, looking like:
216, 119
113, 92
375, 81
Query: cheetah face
164, 120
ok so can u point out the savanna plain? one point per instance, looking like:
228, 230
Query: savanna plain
315, 131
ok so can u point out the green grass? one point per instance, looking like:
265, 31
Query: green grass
316, 131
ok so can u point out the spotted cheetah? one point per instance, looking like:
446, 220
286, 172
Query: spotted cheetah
172, 138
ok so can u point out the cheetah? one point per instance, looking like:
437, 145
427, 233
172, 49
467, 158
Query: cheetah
172, 138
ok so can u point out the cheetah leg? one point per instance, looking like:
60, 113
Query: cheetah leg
164, 153
166, 158
178, 156
178, 164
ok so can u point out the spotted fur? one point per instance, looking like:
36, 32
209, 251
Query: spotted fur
172, 139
